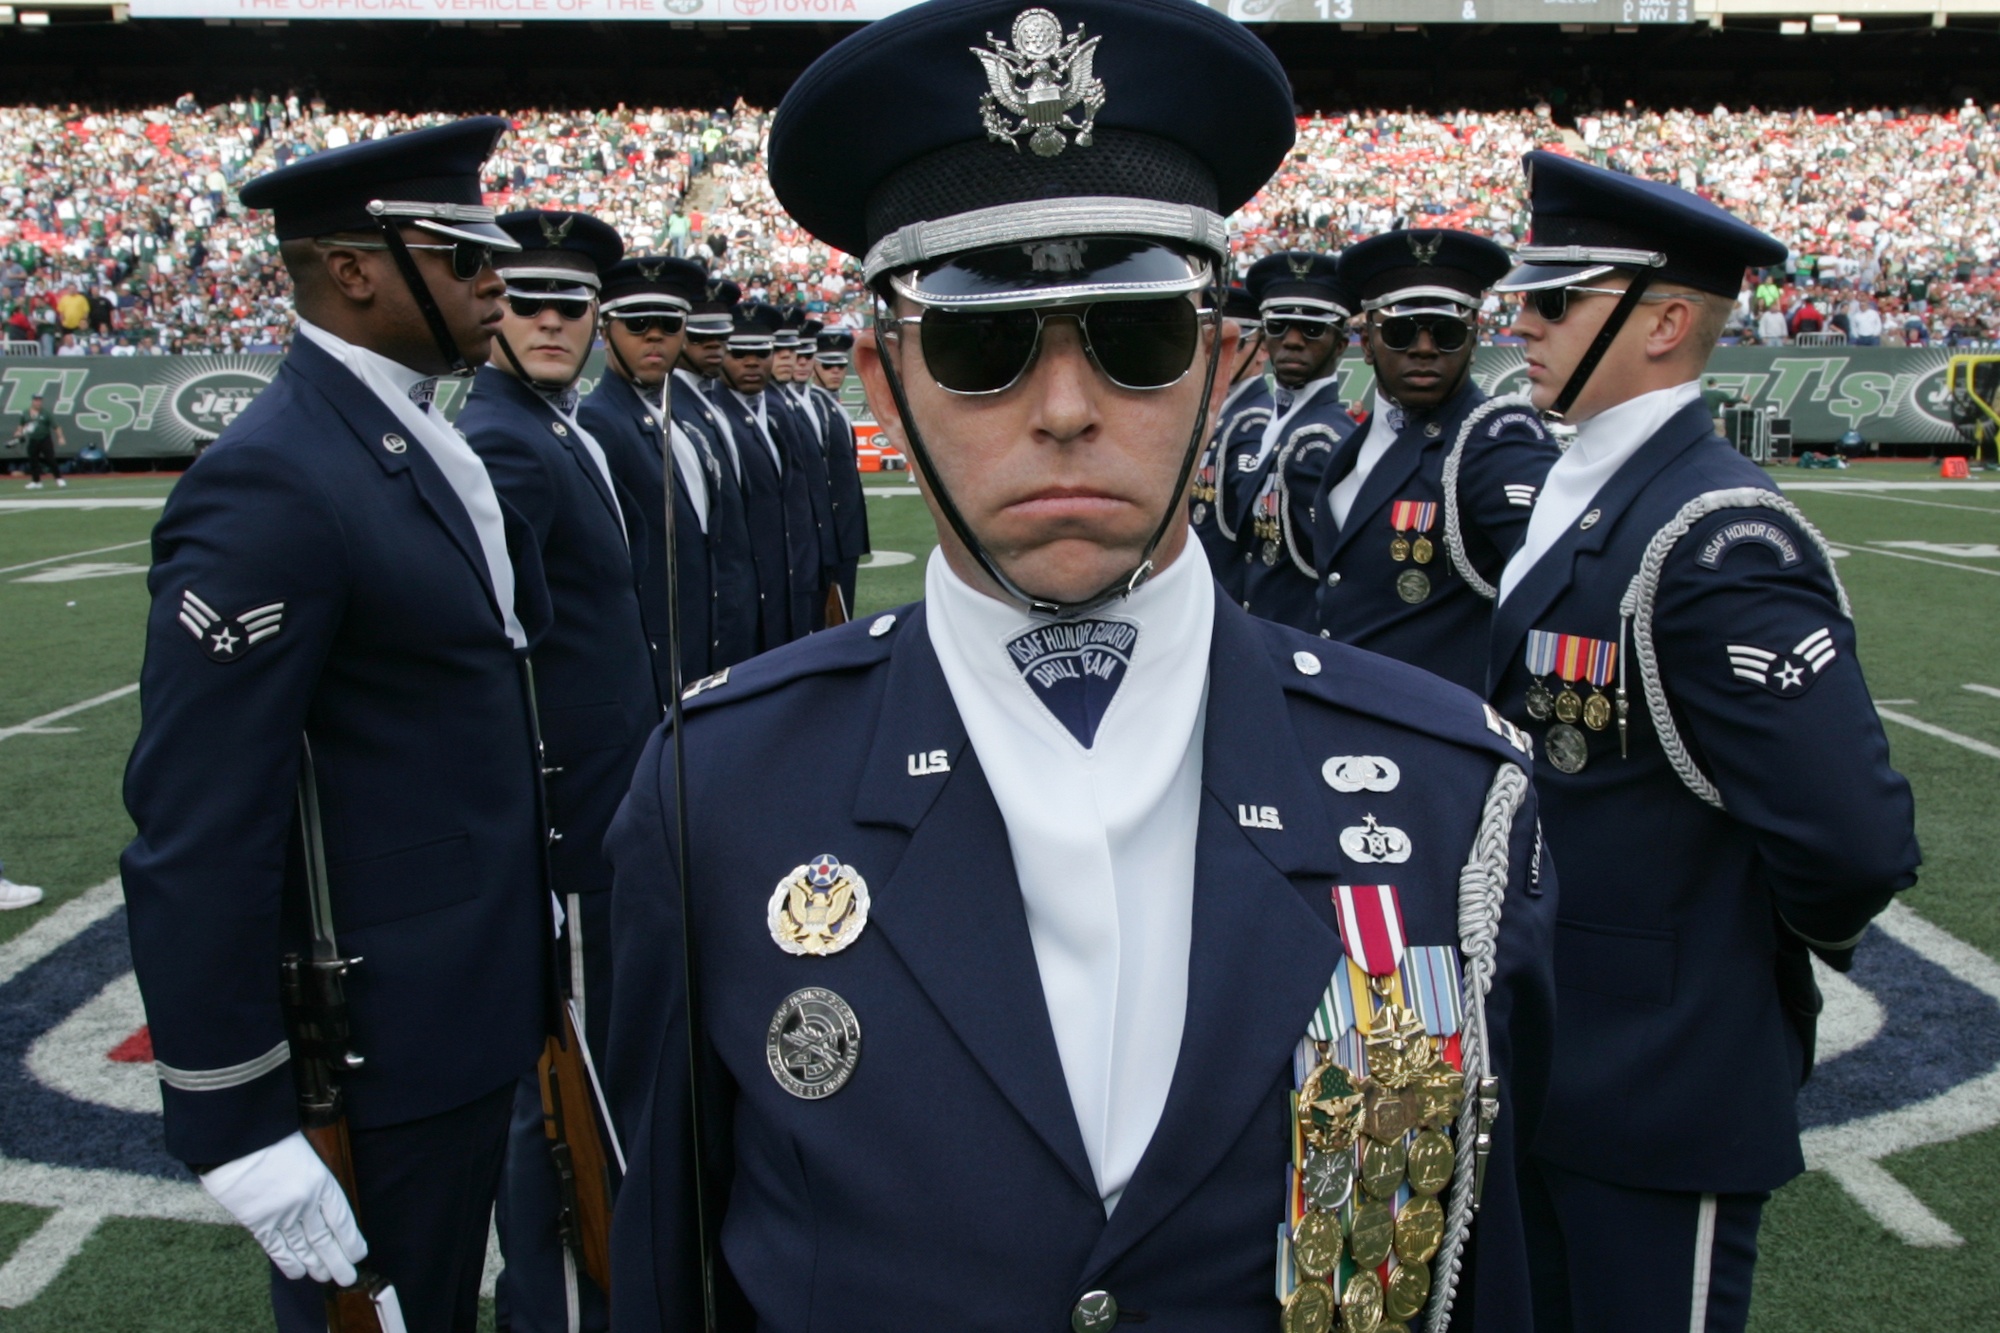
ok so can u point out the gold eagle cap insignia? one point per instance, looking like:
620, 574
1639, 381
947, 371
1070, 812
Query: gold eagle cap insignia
1033, 85
819, 908
555, 234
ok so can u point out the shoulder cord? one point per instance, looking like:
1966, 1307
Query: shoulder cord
1221, 447
1303, 435
1636, 610
1482, 889
1454, 532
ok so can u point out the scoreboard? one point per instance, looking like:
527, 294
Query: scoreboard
1620, 13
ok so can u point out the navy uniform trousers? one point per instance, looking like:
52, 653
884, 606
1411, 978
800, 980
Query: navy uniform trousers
1685, 989
594, 683
946, 1185
1437, 620
1279, 582
850, 502
314, 572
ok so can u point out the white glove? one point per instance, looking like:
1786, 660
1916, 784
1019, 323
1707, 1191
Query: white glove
297, 1211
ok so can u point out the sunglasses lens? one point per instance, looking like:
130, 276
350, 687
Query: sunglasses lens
1143, 344
1399, 333
1552, 303
528, 307
640, 325
978, 351
1312, 330
469, 258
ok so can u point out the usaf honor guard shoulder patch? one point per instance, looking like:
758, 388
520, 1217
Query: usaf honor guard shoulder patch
1787, 675
225, 639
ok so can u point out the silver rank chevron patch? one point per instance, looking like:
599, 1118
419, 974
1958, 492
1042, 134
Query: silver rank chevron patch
1786, 675
1038, 82
226, 640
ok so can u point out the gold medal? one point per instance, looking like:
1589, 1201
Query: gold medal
1329, 1108
1419, 1228
1309, 1309
1381, 1168
1387, 1114
1399, 548
1371, 1237
1566, 748
1439, 1093
1430, 1161
1569, 706
1413, 585
1409, 1287
1421, 550
1596, 712
1361, 1304
1397, 1049
1316, 1244
1541, 704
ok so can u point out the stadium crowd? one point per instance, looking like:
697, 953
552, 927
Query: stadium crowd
121, 233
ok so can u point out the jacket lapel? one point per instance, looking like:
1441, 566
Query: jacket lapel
952, 909
1543, 584
1392, 470
1260, 957
493, 380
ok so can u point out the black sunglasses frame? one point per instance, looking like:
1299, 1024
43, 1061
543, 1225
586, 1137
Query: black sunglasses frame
929, 329
641, 325
1407, 329
1312, 330
468, 258
570, 308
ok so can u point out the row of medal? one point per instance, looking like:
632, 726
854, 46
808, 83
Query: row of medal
1378, 1090
1572, 658
1412, 516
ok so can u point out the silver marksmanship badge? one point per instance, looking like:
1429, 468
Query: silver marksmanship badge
1369, 841
1567, 748
1040, 80
820, 908
813, 1043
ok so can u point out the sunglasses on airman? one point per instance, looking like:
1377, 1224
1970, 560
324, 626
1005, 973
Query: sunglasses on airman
1137, 344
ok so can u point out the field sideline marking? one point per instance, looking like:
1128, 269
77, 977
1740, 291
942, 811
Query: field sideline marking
102, 502
59, 927
76, 555
35, 724
1849, 548
1905, 500
1982, 689
1933, 729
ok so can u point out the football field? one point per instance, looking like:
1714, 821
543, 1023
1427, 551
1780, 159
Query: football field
1891, 1227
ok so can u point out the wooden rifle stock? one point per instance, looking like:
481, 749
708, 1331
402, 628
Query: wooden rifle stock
576, 1145
348, 1309
836, 607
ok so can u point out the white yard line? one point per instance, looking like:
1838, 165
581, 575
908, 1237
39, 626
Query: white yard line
59, 927
101, 502
1987, 690
41, 1258
37, 724
1905, 500
1848, 547
1933, 729
76, 555
1972, 487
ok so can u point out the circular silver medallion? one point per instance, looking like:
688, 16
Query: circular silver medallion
1329, 1177
1413, 585
1567, 748
813, 1043
1200, 513
1541, 703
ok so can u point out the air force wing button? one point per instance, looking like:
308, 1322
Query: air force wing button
1361, 772
394, 443
813, 1043
1370, 841
820, 908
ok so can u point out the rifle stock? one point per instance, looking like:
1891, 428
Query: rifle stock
836, 607
576, 1145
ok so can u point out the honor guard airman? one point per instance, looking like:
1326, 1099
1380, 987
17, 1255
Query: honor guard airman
832, 351
1248, 385
738, 615
1026, 997
644, 305
791, 371
339, 919
1716, 785
593, 674
1419, 509
1305, 301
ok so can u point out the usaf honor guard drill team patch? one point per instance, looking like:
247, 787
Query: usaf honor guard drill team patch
1075, 668
227, 640
819, 908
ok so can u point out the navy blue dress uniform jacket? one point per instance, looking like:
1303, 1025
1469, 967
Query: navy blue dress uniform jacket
946, 1185
593, 668
1504, 457
1678, 1060
1238, 429
1279, 582
735, 609
809, 491
637, 450
779, 516
843, 472
391, 653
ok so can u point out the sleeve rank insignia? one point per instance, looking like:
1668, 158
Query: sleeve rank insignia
1787, 675
225, 639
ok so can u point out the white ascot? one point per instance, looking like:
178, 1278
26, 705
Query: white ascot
464, 470
1383, 429
1602, 446
1103, 839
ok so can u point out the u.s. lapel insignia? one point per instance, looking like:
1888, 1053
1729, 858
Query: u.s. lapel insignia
820, 908
1040, 79
1361, 772
1370, 841
225, 639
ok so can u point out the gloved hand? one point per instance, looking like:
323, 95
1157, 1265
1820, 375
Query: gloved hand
297, 1211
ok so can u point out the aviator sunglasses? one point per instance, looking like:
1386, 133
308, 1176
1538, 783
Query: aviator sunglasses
1312, 330
1399, 333
1137, 344
641, 325
468, 258
1552, 303
566, 307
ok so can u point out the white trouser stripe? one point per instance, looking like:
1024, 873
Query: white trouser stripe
1704, 1257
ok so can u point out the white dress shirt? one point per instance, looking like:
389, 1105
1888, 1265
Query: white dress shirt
687, 459
1103, 839
1602, 446
400, 388
1383, 427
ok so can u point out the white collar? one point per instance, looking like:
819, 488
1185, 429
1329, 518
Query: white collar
1618, 431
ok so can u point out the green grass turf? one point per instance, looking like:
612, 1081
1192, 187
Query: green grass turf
1827, 1267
